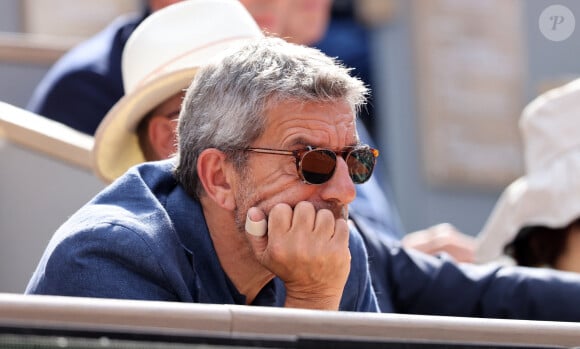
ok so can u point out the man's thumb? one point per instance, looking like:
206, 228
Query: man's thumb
256, 228
256, 223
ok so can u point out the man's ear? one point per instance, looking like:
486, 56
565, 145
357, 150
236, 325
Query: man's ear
161, 133
217, 177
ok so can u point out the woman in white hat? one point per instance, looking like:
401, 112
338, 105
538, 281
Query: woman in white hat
536, 220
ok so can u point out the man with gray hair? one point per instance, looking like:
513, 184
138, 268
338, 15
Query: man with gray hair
266, 131
254, 211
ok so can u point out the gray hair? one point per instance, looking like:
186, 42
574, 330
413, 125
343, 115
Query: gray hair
226, 104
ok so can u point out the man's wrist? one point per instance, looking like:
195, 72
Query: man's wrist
313, 301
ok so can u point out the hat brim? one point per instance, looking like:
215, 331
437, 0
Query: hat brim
547, 197
116, 143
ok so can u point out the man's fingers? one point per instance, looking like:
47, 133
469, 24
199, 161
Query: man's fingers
325, 223
280, 218
341, 230
304, 216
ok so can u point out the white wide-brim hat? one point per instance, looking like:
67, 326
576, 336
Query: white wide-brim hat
549, 193
159, 60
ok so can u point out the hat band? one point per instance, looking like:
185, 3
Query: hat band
183, 56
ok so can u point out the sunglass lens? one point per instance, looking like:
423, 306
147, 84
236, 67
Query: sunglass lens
361, 163
318, 166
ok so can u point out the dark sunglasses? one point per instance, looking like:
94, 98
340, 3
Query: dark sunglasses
317, 165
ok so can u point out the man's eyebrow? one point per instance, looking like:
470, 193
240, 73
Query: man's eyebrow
302, 142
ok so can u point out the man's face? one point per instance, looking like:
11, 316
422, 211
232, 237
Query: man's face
271, 179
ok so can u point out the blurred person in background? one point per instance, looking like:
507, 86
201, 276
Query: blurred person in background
536, 221
141, 126
86, 82
307, 21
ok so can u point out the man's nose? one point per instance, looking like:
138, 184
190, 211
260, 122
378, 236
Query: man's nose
340, 186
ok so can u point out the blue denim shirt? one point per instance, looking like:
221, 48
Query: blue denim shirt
144, 238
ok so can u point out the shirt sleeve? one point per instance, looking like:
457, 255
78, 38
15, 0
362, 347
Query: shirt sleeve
416, 283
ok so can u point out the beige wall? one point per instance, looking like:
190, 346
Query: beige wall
45, 176
37, 194
72, 17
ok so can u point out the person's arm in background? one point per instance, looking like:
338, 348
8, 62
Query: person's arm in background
412, 282
442, 238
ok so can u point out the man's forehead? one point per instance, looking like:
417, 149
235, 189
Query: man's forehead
311, 111
333, 107
311, 123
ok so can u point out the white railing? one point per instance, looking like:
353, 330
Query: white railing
266, 323
45, 136
33, 48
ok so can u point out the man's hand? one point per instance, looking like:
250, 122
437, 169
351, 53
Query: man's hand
442, 238
308, 250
